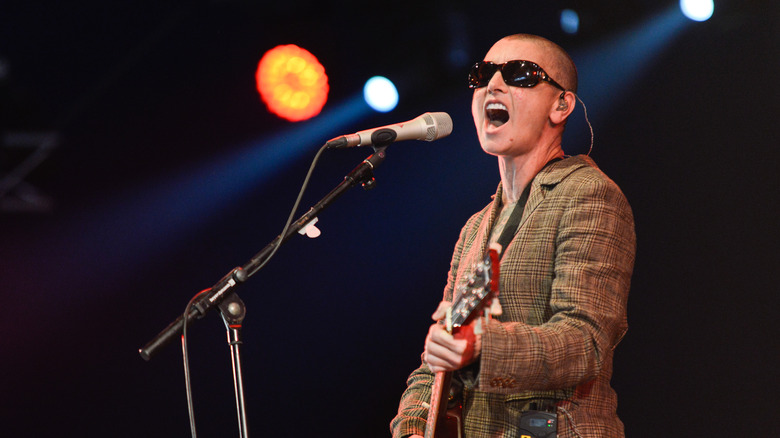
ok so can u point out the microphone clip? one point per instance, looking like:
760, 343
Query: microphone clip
383, 137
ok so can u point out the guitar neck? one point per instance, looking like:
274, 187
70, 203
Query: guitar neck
481, 285
437, 413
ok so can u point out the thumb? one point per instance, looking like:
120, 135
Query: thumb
441, 311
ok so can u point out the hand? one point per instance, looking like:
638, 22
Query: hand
446, 352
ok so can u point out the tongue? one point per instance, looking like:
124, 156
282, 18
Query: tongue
497, 117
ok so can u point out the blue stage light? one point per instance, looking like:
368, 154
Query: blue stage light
380, 94
570, 21
697, 10
623, 58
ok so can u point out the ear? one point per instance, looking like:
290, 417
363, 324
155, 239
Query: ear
563, 107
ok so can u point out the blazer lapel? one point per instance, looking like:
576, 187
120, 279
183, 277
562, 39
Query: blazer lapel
492, 214
544, 181
547, 179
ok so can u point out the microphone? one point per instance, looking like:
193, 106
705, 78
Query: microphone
428, 127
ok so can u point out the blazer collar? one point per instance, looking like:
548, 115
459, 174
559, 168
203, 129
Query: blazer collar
549, 176
557, 171
545, 180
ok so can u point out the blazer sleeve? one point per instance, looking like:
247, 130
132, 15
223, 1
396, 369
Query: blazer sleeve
413, 408
592, 250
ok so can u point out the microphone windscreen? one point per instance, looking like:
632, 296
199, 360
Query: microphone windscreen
439, 125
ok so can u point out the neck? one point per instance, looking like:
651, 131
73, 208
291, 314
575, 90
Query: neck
518, 171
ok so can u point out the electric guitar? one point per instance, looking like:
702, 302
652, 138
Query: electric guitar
480, 292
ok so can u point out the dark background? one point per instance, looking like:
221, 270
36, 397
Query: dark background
155, 190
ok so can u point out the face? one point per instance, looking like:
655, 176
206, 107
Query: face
510, 121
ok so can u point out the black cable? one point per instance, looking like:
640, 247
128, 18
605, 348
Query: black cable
185, 352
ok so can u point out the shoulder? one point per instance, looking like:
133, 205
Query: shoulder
579, 168
578, 174
576, 187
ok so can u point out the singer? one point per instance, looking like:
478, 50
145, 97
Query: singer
568, 240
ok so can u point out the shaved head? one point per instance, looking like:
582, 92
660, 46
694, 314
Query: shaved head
559, 66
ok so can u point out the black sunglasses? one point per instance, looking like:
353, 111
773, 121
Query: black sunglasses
515, 73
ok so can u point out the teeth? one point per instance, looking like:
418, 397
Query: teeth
497, 113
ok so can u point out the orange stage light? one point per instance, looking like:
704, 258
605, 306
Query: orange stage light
292, 83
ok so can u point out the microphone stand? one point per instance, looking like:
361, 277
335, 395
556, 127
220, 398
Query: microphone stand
233, 310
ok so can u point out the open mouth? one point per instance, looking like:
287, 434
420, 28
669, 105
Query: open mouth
497, 114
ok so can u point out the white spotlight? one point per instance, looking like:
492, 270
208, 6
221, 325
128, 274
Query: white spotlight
570, 21
380, 94
697, 10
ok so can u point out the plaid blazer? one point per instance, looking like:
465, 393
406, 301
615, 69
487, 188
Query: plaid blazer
563, 288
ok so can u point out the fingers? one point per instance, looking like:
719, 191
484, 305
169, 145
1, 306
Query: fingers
445, 352
442, 351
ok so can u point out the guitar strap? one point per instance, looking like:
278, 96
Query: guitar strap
514, 220
517, 213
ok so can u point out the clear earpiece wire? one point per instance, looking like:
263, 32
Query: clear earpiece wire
587, 120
